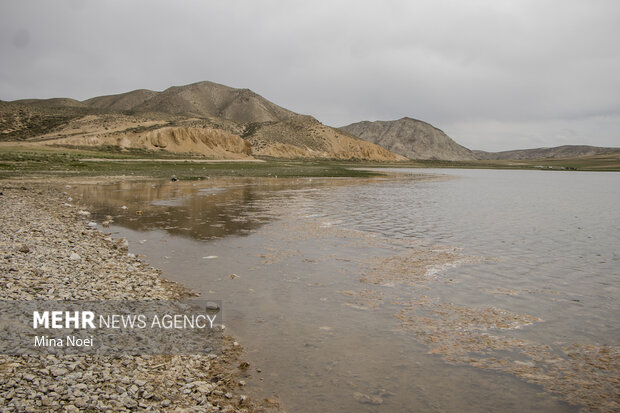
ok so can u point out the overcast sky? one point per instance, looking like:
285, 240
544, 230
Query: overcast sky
493, 74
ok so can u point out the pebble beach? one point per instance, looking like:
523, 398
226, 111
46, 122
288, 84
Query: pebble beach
51, 250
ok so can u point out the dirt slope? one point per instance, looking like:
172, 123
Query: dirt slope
305, 137
211, 143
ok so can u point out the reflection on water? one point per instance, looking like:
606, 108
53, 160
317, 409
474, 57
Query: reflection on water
200, 211
351, 295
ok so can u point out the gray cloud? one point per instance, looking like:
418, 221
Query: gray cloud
493, 74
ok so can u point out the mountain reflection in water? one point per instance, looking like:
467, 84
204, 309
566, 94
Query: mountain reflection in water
200, 210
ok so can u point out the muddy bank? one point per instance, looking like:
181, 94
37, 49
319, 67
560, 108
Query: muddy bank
48, 251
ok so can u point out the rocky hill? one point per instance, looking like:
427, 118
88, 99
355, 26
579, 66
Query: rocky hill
269, 129
566, 151
122, 102
411, 138
202, 100
305, 137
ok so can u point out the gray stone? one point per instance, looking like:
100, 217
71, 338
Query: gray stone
58, 371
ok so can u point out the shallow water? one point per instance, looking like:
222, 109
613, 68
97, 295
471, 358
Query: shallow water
399, 294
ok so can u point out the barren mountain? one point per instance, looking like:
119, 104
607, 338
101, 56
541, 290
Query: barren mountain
566, 151
124, 101
202, 100
411, 138
52, 103
270, 129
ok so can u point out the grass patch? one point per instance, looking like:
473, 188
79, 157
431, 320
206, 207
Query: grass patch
17, 161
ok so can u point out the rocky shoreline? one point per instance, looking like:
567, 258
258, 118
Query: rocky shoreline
49, 251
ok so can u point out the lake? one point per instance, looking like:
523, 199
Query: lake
427, 290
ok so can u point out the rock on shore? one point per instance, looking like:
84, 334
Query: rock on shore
48, 251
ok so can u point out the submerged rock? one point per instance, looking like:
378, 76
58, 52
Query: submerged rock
367, 399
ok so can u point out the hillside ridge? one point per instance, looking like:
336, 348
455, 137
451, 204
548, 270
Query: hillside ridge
563, 151
412, 138
270, 129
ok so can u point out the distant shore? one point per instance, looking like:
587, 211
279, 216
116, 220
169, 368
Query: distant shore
29, 160
48, 251
191, 160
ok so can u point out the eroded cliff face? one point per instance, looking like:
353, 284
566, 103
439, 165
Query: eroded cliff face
208, 142
307, 138
286, 151
204, 140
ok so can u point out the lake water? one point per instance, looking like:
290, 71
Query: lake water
474, 290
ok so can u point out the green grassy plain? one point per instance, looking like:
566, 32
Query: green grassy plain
50, 162
31, 161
